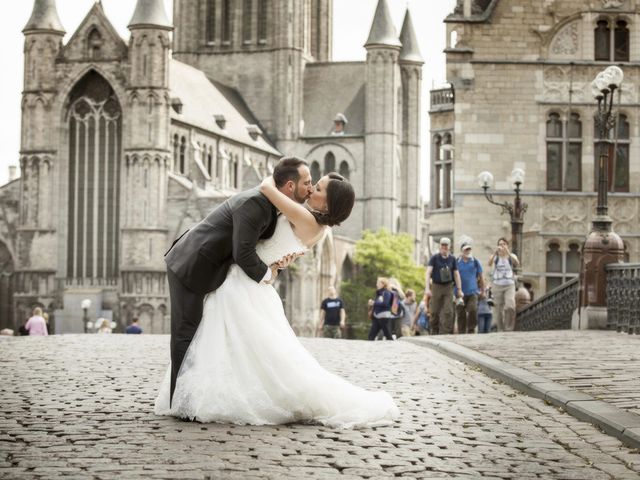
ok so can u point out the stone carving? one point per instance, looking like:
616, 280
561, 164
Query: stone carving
612, 3
566, 41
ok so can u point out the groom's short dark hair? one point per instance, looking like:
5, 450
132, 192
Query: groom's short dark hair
287, 169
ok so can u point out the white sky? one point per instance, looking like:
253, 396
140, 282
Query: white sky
352, 21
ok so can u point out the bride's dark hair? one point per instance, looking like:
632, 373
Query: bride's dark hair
340, 200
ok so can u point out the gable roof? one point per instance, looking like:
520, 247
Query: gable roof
203, 98
95, 16
331, 88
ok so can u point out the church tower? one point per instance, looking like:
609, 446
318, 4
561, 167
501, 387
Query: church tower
146, 161
381, 162
260, 47
39, 162
411, 77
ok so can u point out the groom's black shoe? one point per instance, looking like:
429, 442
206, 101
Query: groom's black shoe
186, 419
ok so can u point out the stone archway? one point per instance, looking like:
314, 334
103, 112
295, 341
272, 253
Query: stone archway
7, 317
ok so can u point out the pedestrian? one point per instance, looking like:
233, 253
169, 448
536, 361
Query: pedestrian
442, 273
397, 312
104, 325
134, 328
485, 315
332, 315
503, 286
36, 325
472, 285
22, 329
409, 307
420, 324
381, 310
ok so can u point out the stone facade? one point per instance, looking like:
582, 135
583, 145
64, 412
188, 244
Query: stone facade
125, 145
515, 67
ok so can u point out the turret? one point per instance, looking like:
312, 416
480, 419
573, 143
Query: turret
411, 62
381, 128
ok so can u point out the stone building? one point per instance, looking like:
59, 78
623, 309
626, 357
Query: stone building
520, 97
125, 144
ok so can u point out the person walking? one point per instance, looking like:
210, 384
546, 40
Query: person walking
134, 328
472, 285
397, 312
381, 310
485, 315
420, 323
442, 273
409, 307
503, 286
37, 325
332, 315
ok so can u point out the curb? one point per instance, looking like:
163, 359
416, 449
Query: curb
615, 422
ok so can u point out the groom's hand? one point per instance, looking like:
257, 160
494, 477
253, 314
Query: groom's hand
284, 262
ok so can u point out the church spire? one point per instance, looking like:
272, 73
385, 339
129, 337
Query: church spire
44, 17
150, 13
410, 51
382, 30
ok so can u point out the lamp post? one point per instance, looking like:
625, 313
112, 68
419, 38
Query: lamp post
85, 305
515, 210
603, 245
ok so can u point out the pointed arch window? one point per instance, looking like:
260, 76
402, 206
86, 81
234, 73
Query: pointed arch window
247, 20
564, 153
95, 142
176, 151
329, 163
210, 162
94, 44
226, 22
182, 159
344, 169
315, 171
262, 21
210, 21
618, 166
611, 40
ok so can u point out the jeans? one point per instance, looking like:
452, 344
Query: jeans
378, 324
484, 322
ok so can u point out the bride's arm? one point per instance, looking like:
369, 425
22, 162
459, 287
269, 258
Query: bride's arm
295, 212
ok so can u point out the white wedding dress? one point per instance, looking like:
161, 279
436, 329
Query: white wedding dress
245, 364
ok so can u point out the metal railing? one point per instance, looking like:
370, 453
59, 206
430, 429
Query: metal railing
623, 297
552, 311
442, 99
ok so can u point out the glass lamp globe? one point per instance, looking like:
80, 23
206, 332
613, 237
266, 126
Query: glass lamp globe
517, 176
602, 82
615, 75
485, 179
595, 91
86, 303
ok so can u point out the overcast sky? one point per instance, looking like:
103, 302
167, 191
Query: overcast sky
352, 21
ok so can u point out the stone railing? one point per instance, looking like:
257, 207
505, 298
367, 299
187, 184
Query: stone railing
442, 99
552, 311
623, 297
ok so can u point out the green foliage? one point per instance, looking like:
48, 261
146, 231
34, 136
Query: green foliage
379, 254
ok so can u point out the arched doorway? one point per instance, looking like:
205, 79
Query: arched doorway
7, 319
95, 140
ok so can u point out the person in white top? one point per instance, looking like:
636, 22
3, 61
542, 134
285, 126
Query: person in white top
503, 286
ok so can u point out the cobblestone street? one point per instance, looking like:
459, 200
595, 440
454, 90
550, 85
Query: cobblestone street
81, 406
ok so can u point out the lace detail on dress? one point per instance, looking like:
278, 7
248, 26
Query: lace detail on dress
282, 243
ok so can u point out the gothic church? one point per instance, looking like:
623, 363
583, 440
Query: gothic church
125, 144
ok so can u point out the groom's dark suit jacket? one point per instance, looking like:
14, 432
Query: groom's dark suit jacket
198, 262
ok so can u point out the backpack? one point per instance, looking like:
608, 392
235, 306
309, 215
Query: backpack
396, 307
476, 263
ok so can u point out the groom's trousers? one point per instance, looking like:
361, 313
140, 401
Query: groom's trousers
186, 313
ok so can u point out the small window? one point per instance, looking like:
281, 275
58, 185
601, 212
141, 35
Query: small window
247, 21
329, 163
602, 39
564, 153
210, 21
611, 40
621, 42
315, 171
344, 169
262, 21
618, 163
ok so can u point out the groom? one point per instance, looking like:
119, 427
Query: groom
198, 261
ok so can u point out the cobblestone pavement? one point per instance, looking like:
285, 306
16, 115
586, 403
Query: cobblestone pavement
81, 406
602, 364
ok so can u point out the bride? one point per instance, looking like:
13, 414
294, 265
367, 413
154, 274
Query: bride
245, 364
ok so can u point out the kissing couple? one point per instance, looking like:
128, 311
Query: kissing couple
234, 357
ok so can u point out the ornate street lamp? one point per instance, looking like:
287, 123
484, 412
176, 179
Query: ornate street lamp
515, 210
603, 245
86, 305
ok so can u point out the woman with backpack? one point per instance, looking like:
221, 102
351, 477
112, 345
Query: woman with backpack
503, 286
381, 310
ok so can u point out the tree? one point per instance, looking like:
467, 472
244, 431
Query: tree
379, 254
